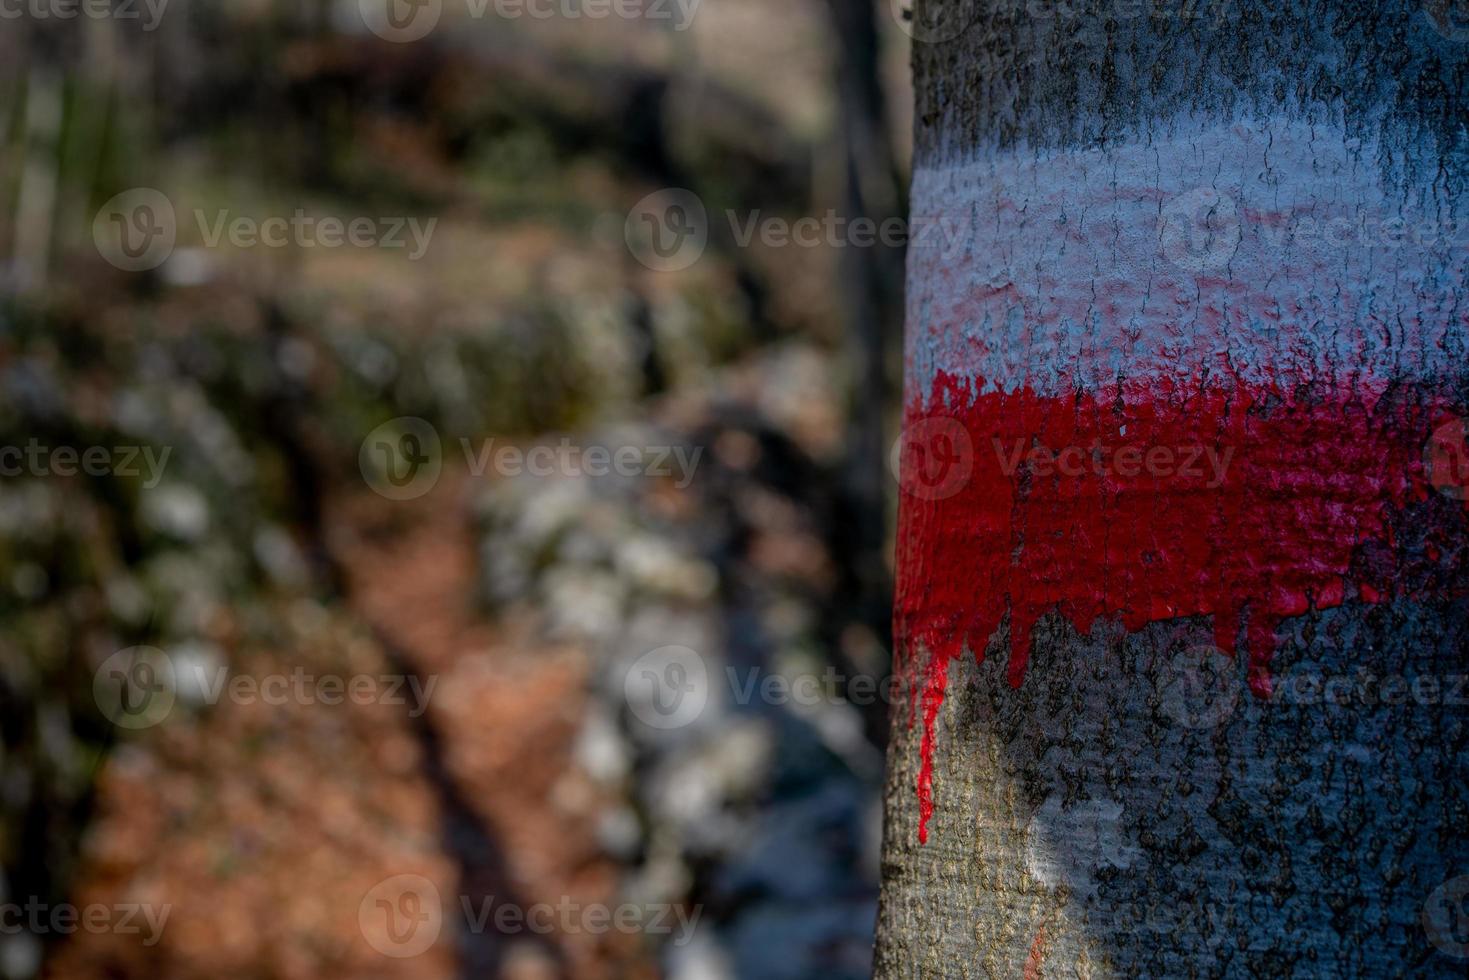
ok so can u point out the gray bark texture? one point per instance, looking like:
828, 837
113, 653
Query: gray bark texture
1102, 819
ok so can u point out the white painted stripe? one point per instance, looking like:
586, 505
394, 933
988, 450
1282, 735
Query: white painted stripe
1268, 250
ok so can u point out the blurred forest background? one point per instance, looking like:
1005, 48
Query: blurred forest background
528, 320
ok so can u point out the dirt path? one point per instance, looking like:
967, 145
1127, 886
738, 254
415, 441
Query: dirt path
519, 817
264, 827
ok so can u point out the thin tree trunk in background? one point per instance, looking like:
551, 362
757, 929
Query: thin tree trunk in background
1183, 543
36, 202
871, 280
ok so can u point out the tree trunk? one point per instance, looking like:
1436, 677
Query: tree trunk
1183, 544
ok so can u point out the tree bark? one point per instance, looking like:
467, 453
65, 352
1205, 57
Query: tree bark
1183, 544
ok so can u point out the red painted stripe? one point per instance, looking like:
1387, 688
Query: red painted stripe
1106, 505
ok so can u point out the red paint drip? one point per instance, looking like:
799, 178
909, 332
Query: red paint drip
1036, 956
1146, 503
